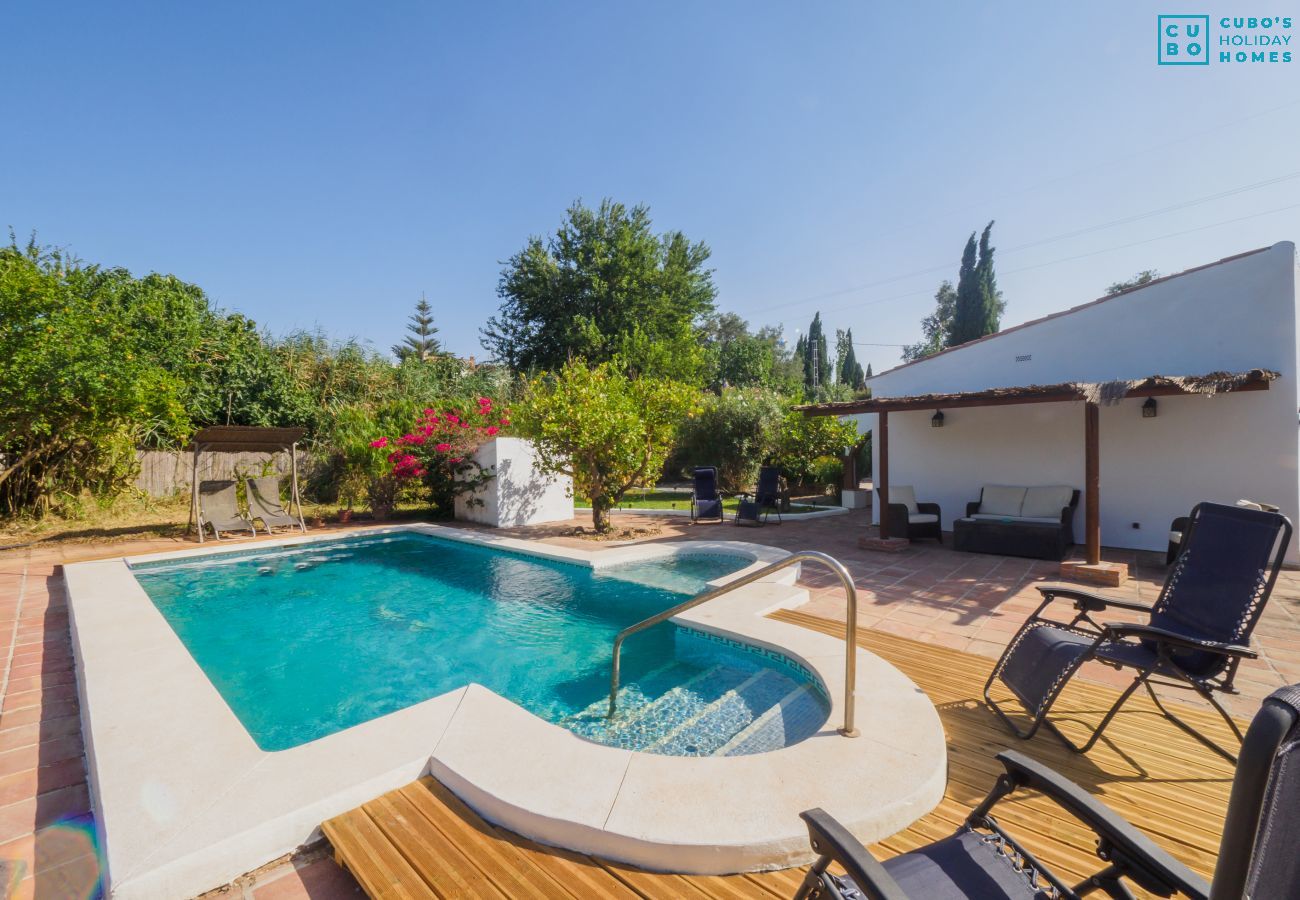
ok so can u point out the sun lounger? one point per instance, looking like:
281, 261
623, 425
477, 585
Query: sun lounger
264, 503
219, 509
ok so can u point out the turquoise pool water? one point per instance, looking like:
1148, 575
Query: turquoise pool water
307, 640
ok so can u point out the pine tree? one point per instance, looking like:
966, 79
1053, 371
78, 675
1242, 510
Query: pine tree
420, 345
868, 373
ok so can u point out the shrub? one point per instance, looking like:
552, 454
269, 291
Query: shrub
736, 431
438, 451
806, 439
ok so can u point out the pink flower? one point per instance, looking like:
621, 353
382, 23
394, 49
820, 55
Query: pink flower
381, 442
443, 448
456, 459
491, 430
453, 419
505, 422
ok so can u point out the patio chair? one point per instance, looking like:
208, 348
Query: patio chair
1197, 634
219, 509
264, 503
910, 519
1257, 852
767, 493
706, 501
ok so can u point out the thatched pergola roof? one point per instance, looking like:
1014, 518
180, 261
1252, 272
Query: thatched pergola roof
1106, 392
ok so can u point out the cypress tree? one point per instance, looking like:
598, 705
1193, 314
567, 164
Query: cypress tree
815, 362
979, 305
850, 371
968, 312
990, 297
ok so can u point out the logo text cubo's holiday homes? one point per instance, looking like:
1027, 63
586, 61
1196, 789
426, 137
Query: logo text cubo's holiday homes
1196, 40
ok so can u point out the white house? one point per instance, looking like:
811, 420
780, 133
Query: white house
1232, 316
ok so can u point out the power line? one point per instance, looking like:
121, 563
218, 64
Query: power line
1038, 243
1064, 259
1075, 173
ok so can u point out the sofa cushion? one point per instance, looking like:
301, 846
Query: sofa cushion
921, 518
904, 494
1046, 501
1018, 520
1001, 500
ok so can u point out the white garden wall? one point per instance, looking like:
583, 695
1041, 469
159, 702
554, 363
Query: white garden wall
521, 493
1235, 315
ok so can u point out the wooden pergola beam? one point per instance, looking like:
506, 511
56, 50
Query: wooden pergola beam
975, 399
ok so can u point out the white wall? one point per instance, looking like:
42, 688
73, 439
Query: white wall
1234, 316
520, 494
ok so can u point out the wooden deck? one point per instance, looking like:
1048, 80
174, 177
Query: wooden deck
421, 841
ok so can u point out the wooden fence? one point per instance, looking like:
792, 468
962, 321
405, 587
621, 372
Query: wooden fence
167, 472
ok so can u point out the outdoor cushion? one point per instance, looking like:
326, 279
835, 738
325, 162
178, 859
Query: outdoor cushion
1000, 500
1032, 520
1046, 501
906, 495
921, 518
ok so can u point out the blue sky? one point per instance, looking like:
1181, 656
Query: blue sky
322, 164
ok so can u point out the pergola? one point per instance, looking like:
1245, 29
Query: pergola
243, 439
1091, 395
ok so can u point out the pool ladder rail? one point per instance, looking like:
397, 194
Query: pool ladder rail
814, 556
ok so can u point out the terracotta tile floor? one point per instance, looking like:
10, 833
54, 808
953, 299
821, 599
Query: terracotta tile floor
927, 592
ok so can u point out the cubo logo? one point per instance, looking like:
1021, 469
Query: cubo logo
1183, 40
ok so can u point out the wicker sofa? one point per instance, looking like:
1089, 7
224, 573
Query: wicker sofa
1011, 520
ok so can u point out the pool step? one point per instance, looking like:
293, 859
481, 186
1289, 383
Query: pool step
794, 717
713, 724
679, 710
640, 693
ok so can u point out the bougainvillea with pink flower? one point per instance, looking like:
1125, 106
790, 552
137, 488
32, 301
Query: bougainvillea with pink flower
439, 450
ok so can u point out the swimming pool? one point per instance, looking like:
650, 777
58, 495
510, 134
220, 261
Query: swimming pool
304, 641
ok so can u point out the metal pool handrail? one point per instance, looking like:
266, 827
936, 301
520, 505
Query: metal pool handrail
850, 624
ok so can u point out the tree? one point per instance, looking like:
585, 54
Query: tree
1144, 277
991, 302
736, 431
850, 371
934, 327
603, 275
816, 362
78, 391
607, 431
868, 372
978, 309
420, 345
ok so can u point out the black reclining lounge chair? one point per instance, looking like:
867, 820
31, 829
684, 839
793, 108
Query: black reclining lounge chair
706, 502
1198, 632
768, 492
1259, 854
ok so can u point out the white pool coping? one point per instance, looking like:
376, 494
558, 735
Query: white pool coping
185, 801
819, 513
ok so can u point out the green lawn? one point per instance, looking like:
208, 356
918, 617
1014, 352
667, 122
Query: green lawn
682, 500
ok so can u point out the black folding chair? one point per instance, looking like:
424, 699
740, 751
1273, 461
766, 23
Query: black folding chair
1259, 852
706, 501
1197, 635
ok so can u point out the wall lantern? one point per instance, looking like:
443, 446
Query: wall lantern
1149, 408
936, 420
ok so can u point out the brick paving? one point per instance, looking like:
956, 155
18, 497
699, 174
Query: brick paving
927, 592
